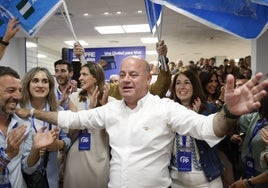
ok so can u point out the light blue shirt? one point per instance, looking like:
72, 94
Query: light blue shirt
19, 162
52, 165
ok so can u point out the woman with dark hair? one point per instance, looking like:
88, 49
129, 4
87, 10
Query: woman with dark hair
92, 170
204, 167
211, 86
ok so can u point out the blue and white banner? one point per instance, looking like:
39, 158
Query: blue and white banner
31, 14
154, 15
261, 2
244, 18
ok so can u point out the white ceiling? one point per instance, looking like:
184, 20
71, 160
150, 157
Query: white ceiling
186, 39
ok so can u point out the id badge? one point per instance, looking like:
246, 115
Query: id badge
6, 185
84, 141
184, 161
250, 167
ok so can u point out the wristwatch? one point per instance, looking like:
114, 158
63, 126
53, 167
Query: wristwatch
228, 114
3, 42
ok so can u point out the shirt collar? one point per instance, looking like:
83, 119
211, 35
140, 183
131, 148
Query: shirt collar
140, 102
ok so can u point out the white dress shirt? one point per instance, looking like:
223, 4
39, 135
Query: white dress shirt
141, 139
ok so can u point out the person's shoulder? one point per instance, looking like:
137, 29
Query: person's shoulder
110, 99
162, 100
249, 117
17, 121
211, 108
75, 94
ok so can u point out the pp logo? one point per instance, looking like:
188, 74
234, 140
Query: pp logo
184, 159
84, 139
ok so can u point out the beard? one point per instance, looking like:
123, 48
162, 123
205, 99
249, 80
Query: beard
9, 106
62, 81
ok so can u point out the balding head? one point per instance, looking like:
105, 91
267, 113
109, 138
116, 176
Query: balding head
134, 79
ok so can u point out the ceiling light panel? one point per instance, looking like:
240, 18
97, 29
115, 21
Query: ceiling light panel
149, 40
71, 42
139, 28
110, 29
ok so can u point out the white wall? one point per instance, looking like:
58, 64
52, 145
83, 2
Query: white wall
22, 59
259, 59
15, 55
47, 62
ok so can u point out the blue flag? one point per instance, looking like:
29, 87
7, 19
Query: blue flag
31, 14
243, 18
261, 2
154, 13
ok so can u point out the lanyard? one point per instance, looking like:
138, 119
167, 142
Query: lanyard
44, 123
184, 141
58, 94
86, 104
258, 126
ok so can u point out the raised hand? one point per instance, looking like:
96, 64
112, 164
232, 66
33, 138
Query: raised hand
161, 48
14, 140
264, 135
196, 105
246, 98
78, 50
73, 84
11, 30
43, 139
105, 96
93, 98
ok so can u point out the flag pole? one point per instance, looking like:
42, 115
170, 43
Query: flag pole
82, 58
158, 31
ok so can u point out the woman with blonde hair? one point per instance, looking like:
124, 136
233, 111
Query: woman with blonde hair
38, 93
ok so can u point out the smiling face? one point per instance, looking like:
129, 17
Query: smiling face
134, 80
86, 79
62, 74
39, 85
212, 86
10, 94
184, 89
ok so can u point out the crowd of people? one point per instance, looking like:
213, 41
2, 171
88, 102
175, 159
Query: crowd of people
198, 125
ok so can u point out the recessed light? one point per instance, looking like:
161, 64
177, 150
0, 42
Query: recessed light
116, 29
118, 12
139, 11
71, 42
86, 14
106, 13
149, 40
41, 56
